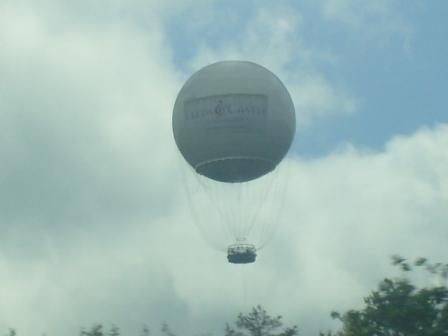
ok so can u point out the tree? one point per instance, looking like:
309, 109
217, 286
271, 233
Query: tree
145, 331
400, 308
114, 331
96, 330
259, 323
166, 330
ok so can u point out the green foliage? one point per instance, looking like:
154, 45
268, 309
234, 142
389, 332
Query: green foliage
114, 331
259, 323
145, 331
166, 331
400, 308
98, 330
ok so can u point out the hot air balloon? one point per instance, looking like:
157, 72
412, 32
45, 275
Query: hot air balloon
233, 123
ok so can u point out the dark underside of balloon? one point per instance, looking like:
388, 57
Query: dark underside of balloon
235, 170
241, 254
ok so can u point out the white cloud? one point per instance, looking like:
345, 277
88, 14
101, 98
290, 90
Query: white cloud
351, 210
315, 98
273, 39
345, 216
268, 38
95, 227
86, 115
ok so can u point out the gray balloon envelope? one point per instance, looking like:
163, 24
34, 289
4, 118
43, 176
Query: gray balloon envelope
233, 121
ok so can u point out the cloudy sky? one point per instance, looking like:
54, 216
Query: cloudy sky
95, 226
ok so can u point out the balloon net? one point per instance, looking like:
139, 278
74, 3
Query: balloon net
229, 213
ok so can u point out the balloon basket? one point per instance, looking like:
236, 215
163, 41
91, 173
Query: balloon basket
241, 253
